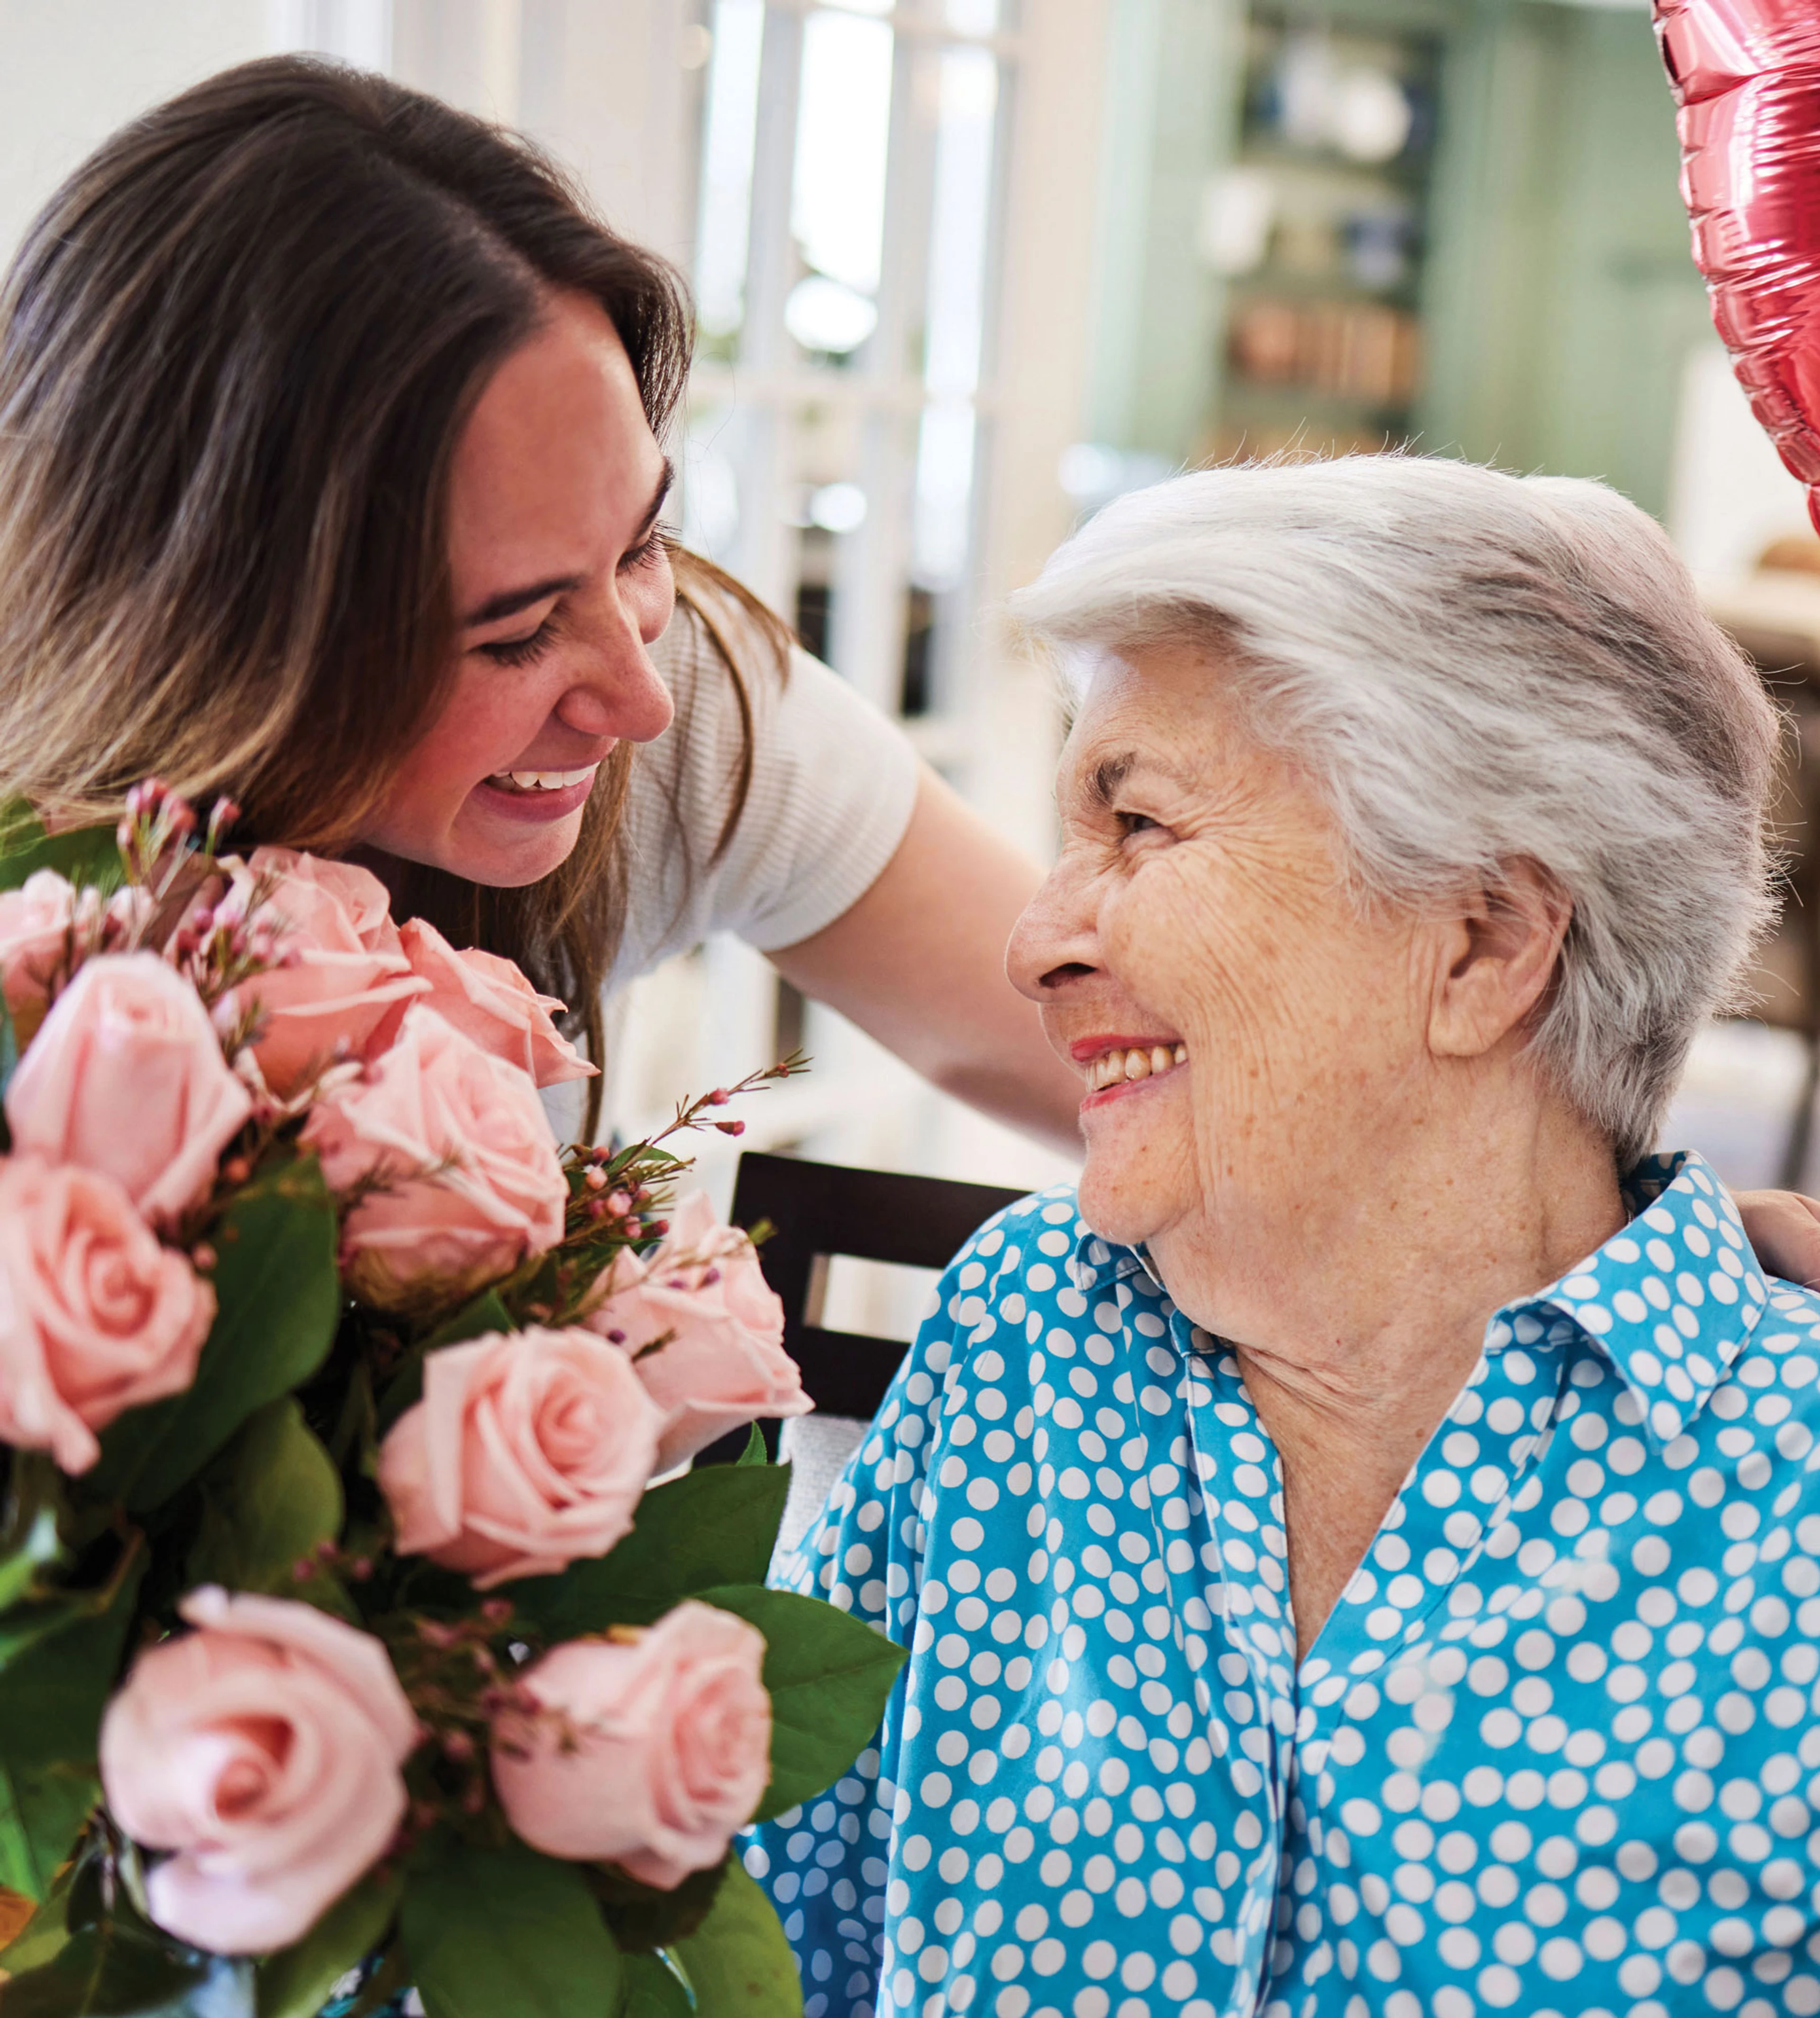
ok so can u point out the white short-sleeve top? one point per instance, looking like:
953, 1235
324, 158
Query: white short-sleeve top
833, 781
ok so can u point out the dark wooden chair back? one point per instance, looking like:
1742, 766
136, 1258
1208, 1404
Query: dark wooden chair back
818, 1210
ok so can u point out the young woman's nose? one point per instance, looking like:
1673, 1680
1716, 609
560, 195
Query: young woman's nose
619, 692
1056, 939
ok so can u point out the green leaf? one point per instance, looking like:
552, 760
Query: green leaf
106, 1972
828, 1677
47, 1932
295, 1983
279, 1300
89, 854
493, 1931
475, 1320
651, 1989
738, 1963
485, 1313
268, 1500
755, 1452
644, 1918
37, 1548
52, 1695
709, 1528
29, 1540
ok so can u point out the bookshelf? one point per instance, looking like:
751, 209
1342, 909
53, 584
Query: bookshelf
1511, 284
1318, 223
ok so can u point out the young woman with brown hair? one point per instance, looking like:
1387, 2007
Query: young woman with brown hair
330, 478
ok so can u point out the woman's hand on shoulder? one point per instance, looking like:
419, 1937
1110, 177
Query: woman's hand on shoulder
1783, 1227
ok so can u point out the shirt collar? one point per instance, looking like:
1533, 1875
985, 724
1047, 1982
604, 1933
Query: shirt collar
1097, 1263
1670, 1300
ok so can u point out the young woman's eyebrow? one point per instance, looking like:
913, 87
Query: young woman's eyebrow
667, 477
509, 601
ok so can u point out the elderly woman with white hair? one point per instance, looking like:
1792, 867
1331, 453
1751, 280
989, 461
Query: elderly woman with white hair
1363, 1555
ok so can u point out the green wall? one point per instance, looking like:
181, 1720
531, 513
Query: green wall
1561, 300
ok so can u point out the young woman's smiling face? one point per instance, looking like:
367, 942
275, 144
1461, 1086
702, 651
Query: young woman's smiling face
560, 581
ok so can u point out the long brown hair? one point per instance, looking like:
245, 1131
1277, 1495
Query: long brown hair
236, 349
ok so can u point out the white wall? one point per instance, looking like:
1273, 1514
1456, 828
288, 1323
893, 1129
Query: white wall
1729, 495
73, 70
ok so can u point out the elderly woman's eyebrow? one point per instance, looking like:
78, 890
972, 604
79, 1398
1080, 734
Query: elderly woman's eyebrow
1102, 781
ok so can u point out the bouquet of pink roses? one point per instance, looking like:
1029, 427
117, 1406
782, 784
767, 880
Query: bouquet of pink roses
343, 1633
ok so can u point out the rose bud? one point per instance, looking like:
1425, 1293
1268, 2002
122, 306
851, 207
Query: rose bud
723, 1363
263, 1750
472, 1182
126, 1077
530, 1450
96, 1317
648, 1755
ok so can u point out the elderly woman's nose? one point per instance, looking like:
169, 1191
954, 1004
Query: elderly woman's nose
1055, 941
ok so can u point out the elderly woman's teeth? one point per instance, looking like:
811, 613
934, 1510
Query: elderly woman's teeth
1137, 1062
540, 781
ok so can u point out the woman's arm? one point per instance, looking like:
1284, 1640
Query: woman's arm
919, 963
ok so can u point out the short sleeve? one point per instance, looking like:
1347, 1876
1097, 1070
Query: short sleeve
833, 782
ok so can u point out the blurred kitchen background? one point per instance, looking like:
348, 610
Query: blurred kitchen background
967, 268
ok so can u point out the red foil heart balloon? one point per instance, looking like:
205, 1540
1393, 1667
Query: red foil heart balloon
1747, 77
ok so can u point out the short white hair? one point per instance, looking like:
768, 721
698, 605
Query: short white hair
1476, 669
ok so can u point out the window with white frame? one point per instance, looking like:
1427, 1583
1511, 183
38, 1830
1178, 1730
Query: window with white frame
849, 205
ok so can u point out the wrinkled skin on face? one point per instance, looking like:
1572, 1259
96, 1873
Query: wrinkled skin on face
1200, 900
1327, 1125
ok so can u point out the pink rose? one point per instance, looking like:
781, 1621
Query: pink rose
489, 999
345, 971
723, 1363
126, 1077
47, 928
473, 1182
96, 1317
264, 1750
529, 1450
648, 1755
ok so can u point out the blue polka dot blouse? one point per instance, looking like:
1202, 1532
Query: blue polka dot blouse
1555, 1751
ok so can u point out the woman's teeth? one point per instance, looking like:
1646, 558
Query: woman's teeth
540, 781
1140, 1061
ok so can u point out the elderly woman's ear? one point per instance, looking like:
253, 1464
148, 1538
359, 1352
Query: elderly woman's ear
1499, 957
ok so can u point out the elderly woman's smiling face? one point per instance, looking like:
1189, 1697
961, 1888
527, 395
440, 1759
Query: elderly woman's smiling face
1200, 904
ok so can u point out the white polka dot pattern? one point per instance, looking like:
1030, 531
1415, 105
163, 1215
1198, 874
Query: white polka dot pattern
1555, 1752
